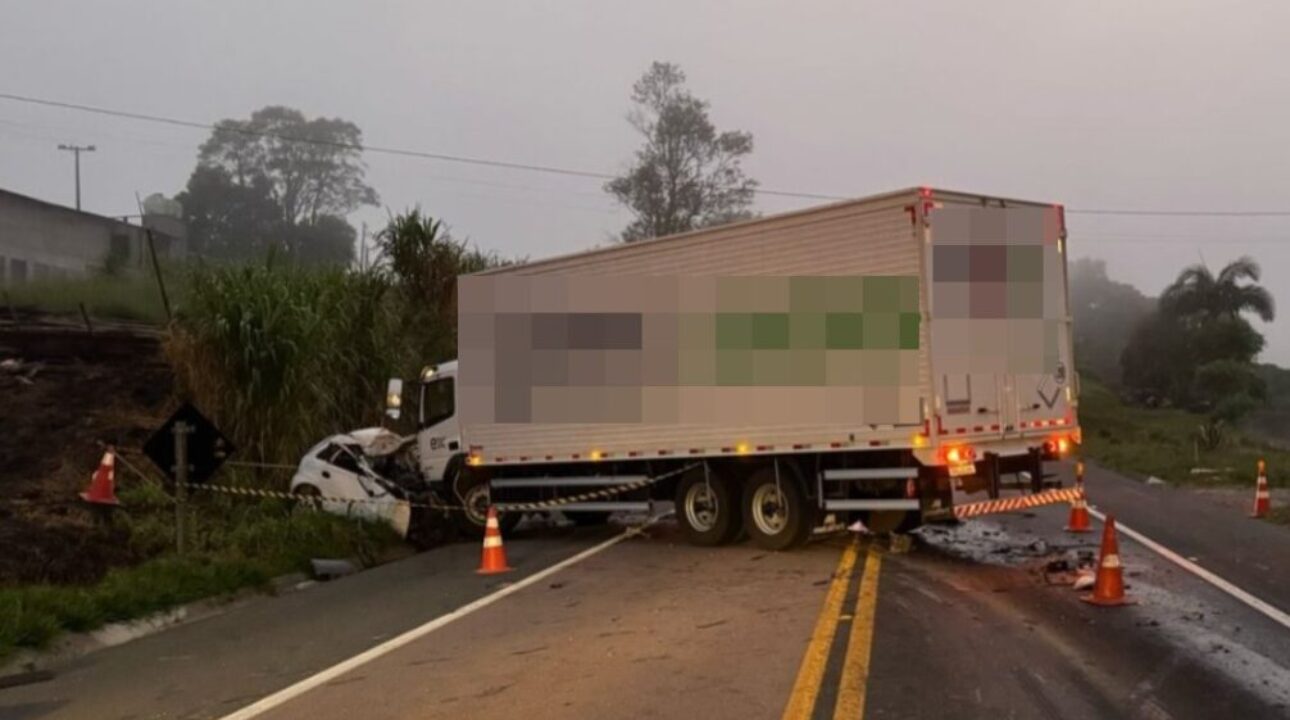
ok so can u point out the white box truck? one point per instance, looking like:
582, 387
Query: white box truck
862, 358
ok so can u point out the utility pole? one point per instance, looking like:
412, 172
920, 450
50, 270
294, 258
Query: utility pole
77, 150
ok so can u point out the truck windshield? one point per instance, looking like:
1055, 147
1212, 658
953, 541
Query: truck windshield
437, 402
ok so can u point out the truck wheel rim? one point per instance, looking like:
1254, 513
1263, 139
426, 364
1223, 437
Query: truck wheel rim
701, 507
769, 510
476, 504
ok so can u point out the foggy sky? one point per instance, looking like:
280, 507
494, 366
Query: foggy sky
1147, 105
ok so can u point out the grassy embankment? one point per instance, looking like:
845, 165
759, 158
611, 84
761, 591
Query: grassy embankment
1161, 442
278, 358
234, 544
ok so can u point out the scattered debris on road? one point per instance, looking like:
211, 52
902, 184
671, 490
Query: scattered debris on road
329, 569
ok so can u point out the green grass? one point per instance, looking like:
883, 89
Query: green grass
132, 297
236, 544
1160, 442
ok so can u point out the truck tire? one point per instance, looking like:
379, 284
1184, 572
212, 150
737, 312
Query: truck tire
470, 491
707, 508
777, 515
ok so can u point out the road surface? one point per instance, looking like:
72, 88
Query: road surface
966, 624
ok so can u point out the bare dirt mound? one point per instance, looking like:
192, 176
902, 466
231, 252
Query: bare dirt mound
63, 391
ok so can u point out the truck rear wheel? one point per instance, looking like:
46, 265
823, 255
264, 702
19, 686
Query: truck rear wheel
777, 513
707, 508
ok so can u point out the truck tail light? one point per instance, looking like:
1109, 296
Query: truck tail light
958, 454
1059, 445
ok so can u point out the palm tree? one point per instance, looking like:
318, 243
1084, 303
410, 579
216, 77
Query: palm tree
1198, 295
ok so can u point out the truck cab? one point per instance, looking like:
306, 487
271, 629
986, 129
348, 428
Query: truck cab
438, 430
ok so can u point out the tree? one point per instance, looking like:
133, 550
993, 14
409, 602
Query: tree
686, 175
226, 220
278, 181
1197, 349
1199, 296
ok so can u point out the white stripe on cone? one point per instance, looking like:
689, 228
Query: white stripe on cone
492, 541
1111, 561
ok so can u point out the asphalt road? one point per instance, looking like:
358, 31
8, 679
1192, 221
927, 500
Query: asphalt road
967, 624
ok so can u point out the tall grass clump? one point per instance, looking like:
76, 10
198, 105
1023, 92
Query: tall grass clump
281, 356
422, 261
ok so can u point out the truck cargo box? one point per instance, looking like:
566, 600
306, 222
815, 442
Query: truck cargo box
896, 321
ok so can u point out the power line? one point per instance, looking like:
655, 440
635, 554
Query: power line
549, 169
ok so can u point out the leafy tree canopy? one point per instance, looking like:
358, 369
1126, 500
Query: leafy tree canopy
277, 182
1197, 349
686, 175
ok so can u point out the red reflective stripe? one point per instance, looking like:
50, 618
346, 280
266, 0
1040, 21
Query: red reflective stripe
978, 428
994, 427
550, 457
696, 451
763, 448
664, 452
960, 431
727, 449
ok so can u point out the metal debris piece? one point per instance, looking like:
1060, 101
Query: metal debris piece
327, 569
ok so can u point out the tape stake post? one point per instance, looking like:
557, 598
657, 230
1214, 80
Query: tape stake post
181, 430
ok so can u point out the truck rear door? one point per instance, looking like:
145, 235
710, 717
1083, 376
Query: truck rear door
999, 318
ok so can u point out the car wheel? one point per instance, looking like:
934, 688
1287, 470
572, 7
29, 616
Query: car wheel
308, 497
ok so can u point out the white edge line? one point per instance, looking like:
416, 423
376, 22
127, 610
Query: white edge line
292, 691
1218, 582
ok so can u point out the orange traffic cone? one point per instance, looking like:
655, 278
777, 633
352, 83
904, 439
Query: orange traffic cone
102, 490
1108, 588
1262, 501
494, 558
1079, 522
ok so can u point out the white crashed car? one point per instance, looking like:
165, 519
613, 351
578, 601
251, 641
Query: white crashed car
338, 473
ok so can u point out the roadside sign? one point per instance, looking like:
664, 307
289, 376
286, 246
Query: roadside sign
206, 447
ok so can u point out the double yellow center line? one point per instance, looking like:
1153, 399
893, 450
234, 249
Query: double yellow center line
854, 679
